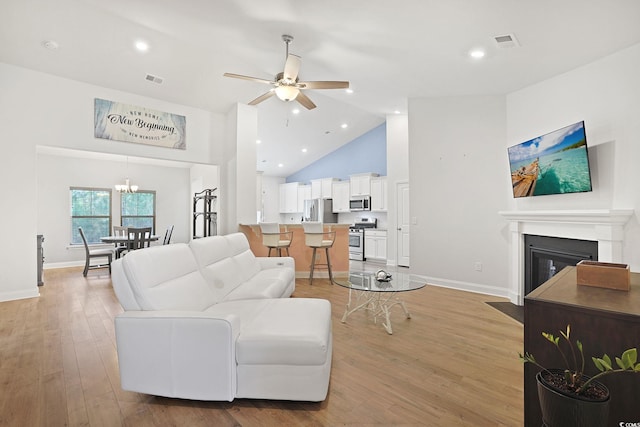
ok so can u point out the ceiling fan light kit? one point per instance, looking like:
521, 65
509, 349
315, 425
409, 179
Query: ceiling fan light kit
287, 86
287, 93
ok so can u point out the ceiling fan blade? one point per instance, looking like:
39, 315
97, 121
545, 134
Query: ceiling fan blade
262, 97
254, 79
323, 85
291, 67
305, 101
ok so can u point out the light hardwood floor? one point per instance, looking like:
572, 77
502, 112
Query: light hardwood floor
454, 363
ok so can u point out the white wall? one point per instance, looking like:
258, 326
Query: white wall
606, 95
271, 197
41, 109
238, 195
56, 174
457, 171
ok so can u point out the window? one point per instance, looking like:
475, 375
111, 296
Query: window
91, 210
138, 209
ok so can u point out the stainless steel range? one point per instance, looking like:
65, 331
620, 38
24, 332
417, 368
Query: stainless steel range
356, 238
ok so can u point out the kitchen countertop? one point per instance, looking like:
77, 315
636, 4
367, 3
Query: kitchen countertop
299, 225
301, 252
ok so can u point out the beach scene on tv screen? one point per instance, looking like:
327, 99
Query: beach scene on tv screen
551, 164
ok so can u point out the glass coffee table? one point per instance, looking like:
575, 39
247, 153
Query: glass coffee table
377, 297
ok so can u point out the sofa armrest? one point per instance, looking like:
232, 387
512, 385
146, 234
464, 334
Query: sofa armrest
185, 354
276, 262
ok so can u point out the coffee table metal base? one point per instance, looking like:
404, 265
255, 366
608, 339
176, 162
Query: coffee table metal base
377, 304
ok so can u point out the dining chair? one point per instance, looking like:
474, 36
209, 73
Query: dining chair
139, 238
316, 238
94, 253
167, 235
273, 238
120, 232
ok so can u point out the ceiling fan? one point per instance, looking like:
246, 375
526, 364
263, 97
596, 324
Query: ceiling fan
286, 84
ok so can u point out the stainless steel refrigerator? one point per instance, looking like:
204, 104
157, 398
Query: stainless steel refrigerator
319, 210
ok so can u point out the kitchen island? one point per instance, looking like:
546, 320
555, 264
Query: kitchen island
339, 253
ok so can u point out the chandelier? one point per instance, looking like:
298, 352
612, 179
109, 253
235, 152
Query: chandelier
126, 187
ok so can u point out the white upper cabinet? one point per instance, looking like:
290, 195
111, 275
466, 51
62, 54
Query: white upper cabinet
340, 193
304, 193
379, 193
322, 188
361, 184
289, 198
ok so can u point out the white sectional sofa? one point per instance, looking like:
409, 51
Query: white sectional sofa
210, 321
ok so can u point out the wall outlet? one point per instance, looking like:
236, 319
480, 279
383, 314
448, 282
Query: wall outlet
477, 266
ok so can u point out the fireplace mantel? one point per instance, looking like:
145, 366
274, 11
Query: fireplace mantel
600, 216
606, 226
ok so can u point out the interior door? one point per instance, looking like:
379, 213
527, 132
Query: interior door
402, 206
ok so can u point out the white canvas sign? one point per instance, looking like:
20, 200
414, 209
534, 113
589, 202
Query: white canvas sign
129, 123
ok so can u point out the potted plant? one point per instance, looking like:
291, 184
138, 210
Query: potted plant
567, 396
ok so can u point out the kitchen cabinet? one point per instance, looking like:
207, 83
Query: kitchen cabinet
322, 188
375, 244
289, 197
341, 197
304, 193
379, 193
361, 184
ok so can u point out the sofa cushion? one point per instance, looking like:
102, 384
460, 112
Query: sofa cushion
225, 261
167, 278
291, 331
269, 283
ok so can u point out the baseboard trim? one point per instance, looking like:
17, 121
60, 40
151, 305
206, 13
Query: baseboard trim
465, 286
66, 264
16, 295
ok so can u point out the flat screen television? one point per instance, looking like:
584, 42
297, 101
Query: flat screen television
555, 163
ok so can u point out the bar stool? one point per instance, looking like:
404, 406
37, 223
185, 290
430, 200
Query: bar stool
316, 238
273, 238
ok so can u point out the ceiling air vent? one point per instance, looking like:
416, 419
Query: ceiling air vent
506, 41
154, 79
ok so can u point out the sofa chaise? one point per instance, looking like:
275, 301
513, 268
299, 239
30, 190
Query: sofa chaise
210, 321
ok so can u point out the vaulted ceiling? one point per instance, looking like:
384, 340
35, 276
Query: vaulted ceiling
389, 51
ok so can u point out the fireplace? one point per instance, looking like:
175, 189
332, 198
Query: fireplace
604, 226
544, 256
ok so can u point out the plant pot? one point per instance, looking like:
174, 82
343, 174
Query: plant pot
564, 410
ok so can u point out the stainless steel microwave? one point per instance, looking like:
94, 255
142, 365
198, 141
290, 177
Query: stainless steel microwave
362, 203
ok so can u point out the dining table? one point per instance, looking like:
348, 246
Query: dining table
118, 240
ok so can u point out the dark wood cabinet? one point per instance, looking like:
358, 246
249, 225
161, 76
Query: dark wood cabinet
604, 320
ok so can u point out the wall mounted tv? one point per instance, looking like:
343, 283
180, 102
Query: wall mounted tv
555, 163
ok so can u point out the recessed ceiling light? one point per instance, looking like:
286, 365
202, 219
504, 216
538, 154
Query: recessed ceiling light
344, 126
280, 165
396, 112
477, 53
142, 46
258, 141
50, 44
304, 150
349, 90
